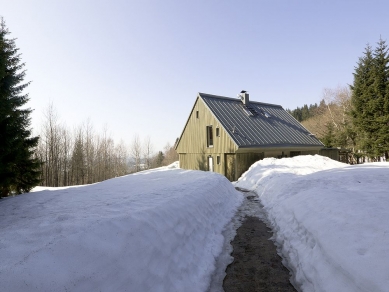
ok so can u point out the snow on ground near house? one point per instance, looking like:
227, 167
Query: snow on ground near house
331, 220
157, 230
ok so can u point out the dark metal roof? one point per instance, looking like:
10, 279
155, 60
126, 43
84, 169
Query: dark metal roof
262, 125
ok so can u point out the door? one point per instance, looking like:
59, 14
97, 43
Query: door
210, 163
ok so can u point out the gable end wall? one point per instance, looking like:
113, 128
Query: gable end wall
192, 148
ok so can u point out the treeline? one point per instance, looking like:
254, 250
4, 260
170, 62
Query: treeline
83, 156
305, 112
57, 156
355, 117
77, 157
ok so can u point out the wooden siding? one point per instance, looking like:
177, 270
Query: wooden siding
245, 160
332, 153
192, 148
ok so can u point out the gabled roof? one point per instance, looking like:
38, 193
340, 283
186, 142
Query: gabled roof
259, 124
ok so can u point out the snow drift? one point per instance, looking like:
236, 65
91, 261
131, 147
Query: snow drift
330, 220
153, 231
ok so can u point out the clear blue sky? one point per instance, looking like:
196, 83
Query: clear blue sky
137, 66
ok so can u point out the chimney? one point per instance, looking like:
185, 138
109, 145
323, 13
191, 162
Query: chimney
244, 97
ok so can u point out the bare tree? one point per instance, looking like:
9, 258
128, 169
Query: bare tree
66, 157
332, 116
147, 152
81, 158
78, 158
136, 152
50, 147
171, 154
121, 160
90, 149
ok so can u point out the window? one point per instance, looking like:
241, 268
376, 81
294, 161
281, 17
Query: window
218, 159
197, 114
217, 132
209, 136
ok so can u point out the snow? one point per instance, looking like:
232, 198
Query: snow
158, 230
169, 229
330, 220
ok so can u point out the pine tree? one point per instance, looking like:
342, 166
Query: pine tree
370, 100
19, 171
362, 96
381, 101
160, 157
329, 139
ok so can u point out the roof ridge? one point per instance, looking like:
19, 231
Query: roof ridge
201, 94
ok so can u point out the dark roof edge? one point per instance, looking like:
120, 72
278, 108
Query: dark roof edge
283, 146
237, 99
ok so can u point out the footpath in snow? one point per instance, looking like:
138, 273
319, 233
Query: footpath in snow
158, 230
330, 220
168, 229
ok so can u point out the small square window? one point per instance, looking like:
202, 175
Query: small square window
218, 159
217, 132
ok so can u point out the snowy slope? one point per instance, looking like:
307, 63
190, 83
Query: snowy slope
154, 231
331, 220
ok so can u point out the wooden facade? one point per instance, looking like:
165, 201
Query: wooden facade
224, 155
194, 153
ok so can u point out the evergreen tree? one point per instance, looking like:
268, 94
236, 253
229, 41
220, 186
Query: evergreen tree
381, 100
19, 171
370, 100
362, 95
329, 139
160, 158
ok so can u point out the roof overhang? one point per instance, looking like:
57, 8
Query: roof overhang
278, 147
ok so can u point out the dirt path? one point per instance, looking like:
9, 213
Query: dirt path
256, 265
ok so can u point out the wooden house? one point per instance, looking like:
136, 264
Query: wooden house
227, 135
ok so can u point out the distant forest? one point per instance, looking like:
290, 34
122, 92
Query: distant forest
305, 112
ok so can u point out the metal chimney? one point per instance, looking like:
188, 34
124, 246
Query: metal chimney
244, 97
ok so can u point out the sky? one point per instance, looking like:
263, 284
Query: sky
135, 67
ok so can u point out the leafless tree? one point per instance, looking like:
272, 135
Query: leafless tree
147, 152
136, 152
81, 158
333, 111
89, 148
171, 154
50, 147
78, 158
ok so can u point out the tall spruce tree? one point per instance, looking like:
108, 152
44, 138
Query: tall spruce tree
19, 171
370, 100
381, 100
362, 95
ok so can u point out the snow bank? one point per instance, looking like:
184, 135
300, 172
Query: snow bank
158, 230
331, 220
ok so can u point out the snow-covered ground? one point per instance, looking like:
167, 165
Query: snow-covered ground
158, 230
164, 230
331, 220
